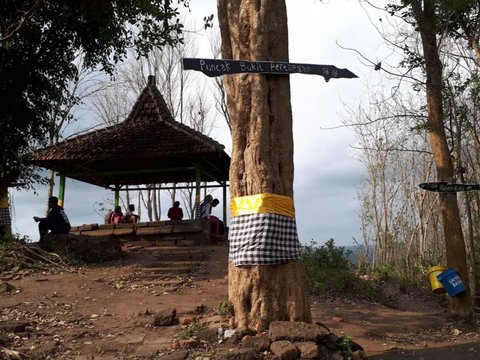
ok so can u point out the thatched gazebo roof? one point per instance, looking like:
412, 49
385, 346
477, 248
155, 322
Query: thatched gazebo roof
149, 147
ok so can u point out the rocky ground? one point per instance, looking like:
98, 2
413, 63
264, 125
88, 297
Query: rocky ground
170, 303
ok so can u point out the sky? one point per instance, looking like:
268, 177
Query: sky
327, 172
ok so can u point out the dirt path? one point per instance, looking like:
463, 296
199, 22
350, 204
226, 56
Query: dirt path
105, 312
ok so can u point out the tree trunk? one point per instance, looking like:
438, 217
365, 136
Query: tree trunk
262, 155
454, 241
5, 219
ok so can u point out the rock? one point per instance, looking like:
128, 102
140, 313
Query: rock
239, 354
14, 326
85, 248
248, 341
207, 334
188, 343
6, 288
330, 342
308, 349
284, 350
165, 318
216, 319
358, 355
337, 319
262, 342
186, 320
176, 355
296, 331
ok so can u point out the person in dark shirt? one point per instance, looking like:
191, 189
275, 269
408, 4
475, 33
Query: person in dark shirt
130, 216
175, 213
56, 221
206, 213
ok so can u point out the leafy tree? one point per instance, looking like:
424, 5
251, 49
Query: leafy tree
39, 41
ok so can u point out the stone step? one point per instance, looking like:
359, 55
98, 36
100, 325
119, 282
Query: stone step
171, 264
166, 283
168, 270
157, 276
181, 257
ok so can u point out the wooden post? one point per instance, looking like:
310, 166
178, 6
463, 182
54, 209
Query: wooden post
198, 176
117, 196
61, 191
5, 220
224, 190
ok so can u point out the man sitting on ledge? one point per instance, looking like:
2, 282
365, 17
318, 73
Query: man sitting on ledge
175, 213
56, 221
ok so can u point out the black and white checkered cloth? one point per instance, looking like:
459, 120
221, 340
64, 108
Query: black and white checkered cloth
5, 216
263, 239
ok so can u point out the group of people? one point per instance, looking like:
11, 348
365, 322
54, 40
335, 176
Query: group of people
116, 216
175, 213
217, 227
58, 223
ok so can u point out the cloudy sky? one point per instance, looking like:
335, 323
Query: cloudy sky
326, 171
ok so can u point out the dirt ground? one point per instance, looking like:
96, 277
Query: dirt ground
107, 311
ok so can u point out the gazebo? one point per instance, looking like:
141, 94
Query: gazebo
148, 147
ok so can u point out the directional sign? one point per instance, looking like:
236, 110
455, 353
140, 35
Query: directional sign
448, 187
215, 67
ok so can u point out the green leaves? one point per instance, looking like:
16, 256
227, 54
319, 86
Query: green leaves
36, 63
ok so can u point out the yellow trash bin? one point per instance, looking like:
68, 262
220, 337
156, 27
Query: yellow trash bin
436, 285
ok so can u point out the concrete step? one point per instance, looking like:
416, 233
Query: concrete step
157, 276
168, 270
171, 264
165, 283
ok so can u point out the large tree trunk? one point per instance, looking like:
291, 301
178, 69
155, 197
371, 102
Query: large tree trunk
455, 245
262, 155
5, 219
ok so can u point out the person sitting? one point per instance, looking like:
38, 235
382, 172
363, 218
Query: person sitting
221, 225
206, 213
117, 216
130, 217
56, 221
175, 213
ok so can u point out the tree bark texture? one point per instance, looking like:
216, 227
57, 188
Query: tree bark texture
5, 219
262, 154
454, 240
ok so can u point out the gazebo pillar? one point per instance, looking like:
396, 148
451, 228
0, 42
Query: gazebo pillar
61, 190
117, 196
198, 176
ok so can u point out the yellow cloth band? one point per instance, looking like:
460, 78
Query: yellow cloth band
4, 201
262, 204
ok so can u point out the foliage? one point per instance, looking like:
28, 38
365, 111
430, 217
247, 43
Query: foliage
36, 60
224, 308
346, 345
17, 254
329, 272
190, 330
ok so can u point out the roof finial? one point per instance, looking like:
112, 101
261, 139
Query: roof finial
151, 80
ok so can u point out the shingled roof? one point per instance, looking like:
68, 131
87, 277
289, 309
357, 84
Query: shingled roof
149, 147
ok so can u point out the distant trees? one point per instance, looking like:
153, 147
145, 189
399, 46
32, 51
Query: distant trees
406, 140
187, 101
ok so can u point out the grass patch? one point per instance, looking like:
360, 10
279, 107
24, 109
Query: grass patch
330, 273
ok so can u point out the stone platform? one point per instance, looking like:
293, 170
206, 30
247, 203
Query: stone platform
167, 233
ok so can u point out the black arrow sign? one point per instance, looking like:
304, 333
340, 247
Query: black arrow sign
214, 67
448, 187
